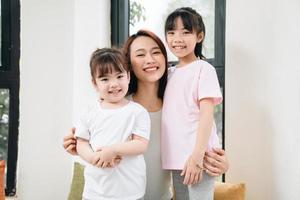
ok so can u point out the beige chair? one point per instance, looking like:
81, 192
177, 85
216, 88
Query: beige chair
229, 191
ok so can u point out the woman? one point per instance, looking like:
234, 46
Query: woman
147, 57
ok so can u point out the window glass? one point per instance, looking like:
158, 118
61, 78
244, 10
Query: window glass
4, 118
145, 14
0, 36
9, 89
218, 115
151, 15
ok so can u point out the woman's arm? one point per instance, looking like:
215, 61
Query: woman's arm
216, 162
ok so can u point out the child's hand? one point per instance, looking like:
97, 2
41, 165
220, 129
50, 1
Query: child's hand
192, 171
105, 157
95, 158
115, 162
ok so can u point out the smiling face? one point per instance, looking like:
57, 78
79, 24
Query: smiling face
110, 75
113, 86
182, 42
147, 59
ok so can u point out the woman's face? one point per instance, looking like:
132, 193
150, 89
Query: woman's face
147, 60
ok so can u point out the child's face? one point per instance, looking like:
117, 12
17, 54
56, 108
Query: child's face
181, 41
112, 87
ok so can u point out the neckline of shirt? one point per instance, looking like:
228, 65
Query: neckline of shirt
129, 97
186, 66
113, 109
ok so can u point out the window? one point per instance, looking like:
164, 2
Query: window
146, 15
128, 16
9, 89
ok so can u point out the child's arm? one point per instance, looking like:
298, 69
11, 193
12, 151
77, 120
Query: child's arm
194, 165
85, 151
138, 145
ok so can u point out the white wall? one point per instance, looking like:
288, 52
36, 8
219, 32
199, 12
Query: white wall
92, 30
262, 97
57, 38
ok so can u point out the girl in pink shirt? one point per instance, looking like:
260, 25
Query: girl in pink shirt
188, 127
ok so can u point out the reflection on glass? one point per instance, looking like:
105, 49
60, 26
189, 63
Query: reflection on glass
145, 14
219, 123
0, 36
4, 118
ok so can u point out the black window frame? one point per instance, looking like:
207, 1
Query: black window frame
120, 32
119, 22
10, 79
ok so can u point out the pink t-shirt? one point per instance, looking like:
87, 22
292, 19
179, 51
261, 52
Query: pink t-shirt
180, 114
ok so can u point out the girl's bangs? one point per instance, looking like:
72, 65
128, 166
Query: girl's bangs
109, 68
186, 18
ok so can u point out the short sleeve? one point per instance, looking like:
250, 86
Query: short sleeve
142, 124
208, 86
81, 126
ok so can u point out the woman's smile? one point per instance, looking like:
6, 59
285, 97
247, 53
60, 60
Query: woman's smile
151, 68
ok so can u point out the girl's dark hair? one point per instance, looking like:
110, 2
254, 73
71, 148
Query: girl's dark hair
133, 79
192, 21
107, 60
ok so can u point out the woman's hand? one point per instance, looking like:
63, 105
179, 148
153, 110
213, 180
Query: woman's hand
216, 162
69, 142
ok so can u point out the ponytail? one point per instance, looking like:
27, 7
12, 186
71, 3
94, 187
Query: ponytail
198, 50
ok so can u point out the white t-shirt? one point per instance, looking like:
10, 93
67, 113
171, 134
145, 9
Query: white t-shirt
102, 127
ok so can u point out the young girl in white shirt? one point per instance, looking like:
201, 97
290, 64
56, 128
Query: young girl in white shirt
113, 128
